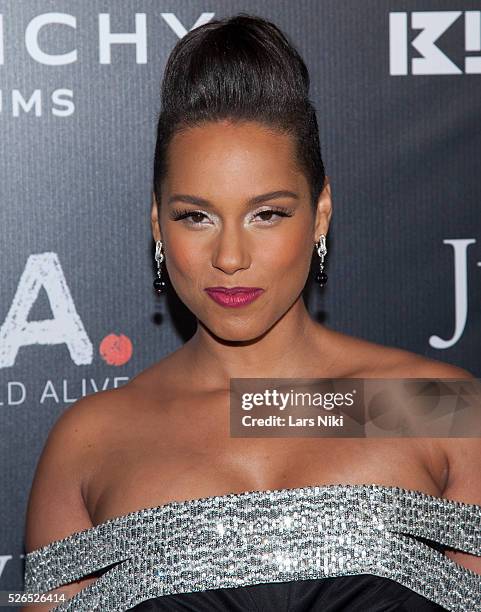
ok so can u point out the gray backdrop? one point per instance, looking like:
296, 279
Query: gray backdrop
400, 132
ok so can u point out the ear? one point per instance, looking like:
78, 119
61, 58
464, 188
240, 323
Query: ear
323, 211
154, 219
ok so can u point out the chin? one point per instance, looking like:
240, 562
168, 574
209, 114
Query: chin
242, 333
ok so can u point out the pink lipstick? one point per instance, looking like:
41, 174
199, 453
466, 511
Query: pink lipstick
233, 297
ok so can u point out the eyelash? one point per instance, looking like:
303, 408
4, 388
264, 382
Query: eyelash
178, 215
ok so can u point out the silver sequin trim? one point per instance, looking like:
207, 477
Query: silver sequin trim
278, 535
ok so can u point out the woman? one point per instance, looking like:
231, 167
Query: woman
240, 202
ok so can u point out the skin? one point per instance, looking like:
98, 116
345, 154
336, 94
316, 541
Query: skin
165, 435
237, 247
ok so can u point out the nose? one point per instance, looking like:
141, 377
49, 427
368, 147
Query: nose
231, 251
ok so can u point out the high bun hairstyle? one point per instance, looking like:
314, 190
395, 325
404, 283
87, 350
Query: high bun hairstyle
239, 68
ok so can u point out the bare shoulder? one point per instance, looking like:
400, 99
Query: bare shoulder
169, 368
360, 357
407, 364
378, 360
56, 505
463, 454
86, 422
463, 458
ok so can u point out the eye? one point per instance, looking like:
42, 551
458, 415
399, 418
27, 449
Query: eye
278, 212
194, 216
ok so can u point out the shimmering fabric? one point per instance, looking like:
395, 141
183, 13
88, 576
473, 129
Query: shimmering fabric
272, 536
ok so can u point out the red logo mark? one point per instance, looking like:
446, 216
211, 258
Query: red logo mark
116, 350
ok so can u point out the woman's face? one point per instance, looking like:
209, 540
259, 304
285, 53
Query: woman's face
215, 234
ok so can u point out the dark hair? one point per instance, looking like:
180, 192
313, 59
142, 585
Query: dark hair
239, 68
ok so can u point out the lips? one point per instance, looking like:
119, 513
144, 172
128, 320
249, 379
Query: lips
234, 296
232, 290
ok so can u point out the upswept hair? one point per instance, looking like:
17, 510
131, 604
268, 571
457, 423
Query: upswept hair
239, 68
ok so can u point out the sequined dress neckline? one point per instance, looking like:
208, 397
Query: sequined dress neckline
262, 536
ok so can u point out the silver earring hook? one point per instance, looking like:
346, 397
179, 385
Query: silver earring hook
159, 256
321, 276
321, 246
159, 284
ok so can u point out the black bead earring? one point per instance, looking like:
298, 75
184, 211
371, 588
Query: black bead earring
159, 284
321, 276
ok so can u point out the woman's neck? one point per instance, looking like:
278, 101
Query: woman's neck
294, 347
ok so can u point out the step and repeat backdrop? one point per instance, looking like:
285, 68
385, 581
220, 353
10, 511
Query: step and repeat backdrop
397, 89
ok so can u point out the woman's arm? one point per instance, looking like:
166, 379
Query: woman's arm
464, 461
56, 506
463, 455
464, 484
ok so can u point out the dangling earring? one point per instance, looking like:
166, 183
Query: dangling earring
321, 276
159, 284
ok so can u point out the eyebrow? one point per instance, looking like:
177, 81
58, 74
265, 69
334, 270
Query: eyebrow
272, 195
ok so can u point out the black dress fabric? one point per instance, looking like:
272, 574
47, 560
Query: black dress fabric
359, 593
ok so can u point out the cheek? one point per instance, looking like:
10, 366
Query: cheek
285, 251
183, 258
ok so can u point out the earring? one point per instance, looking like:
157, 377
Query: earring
321, 276
159, 284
